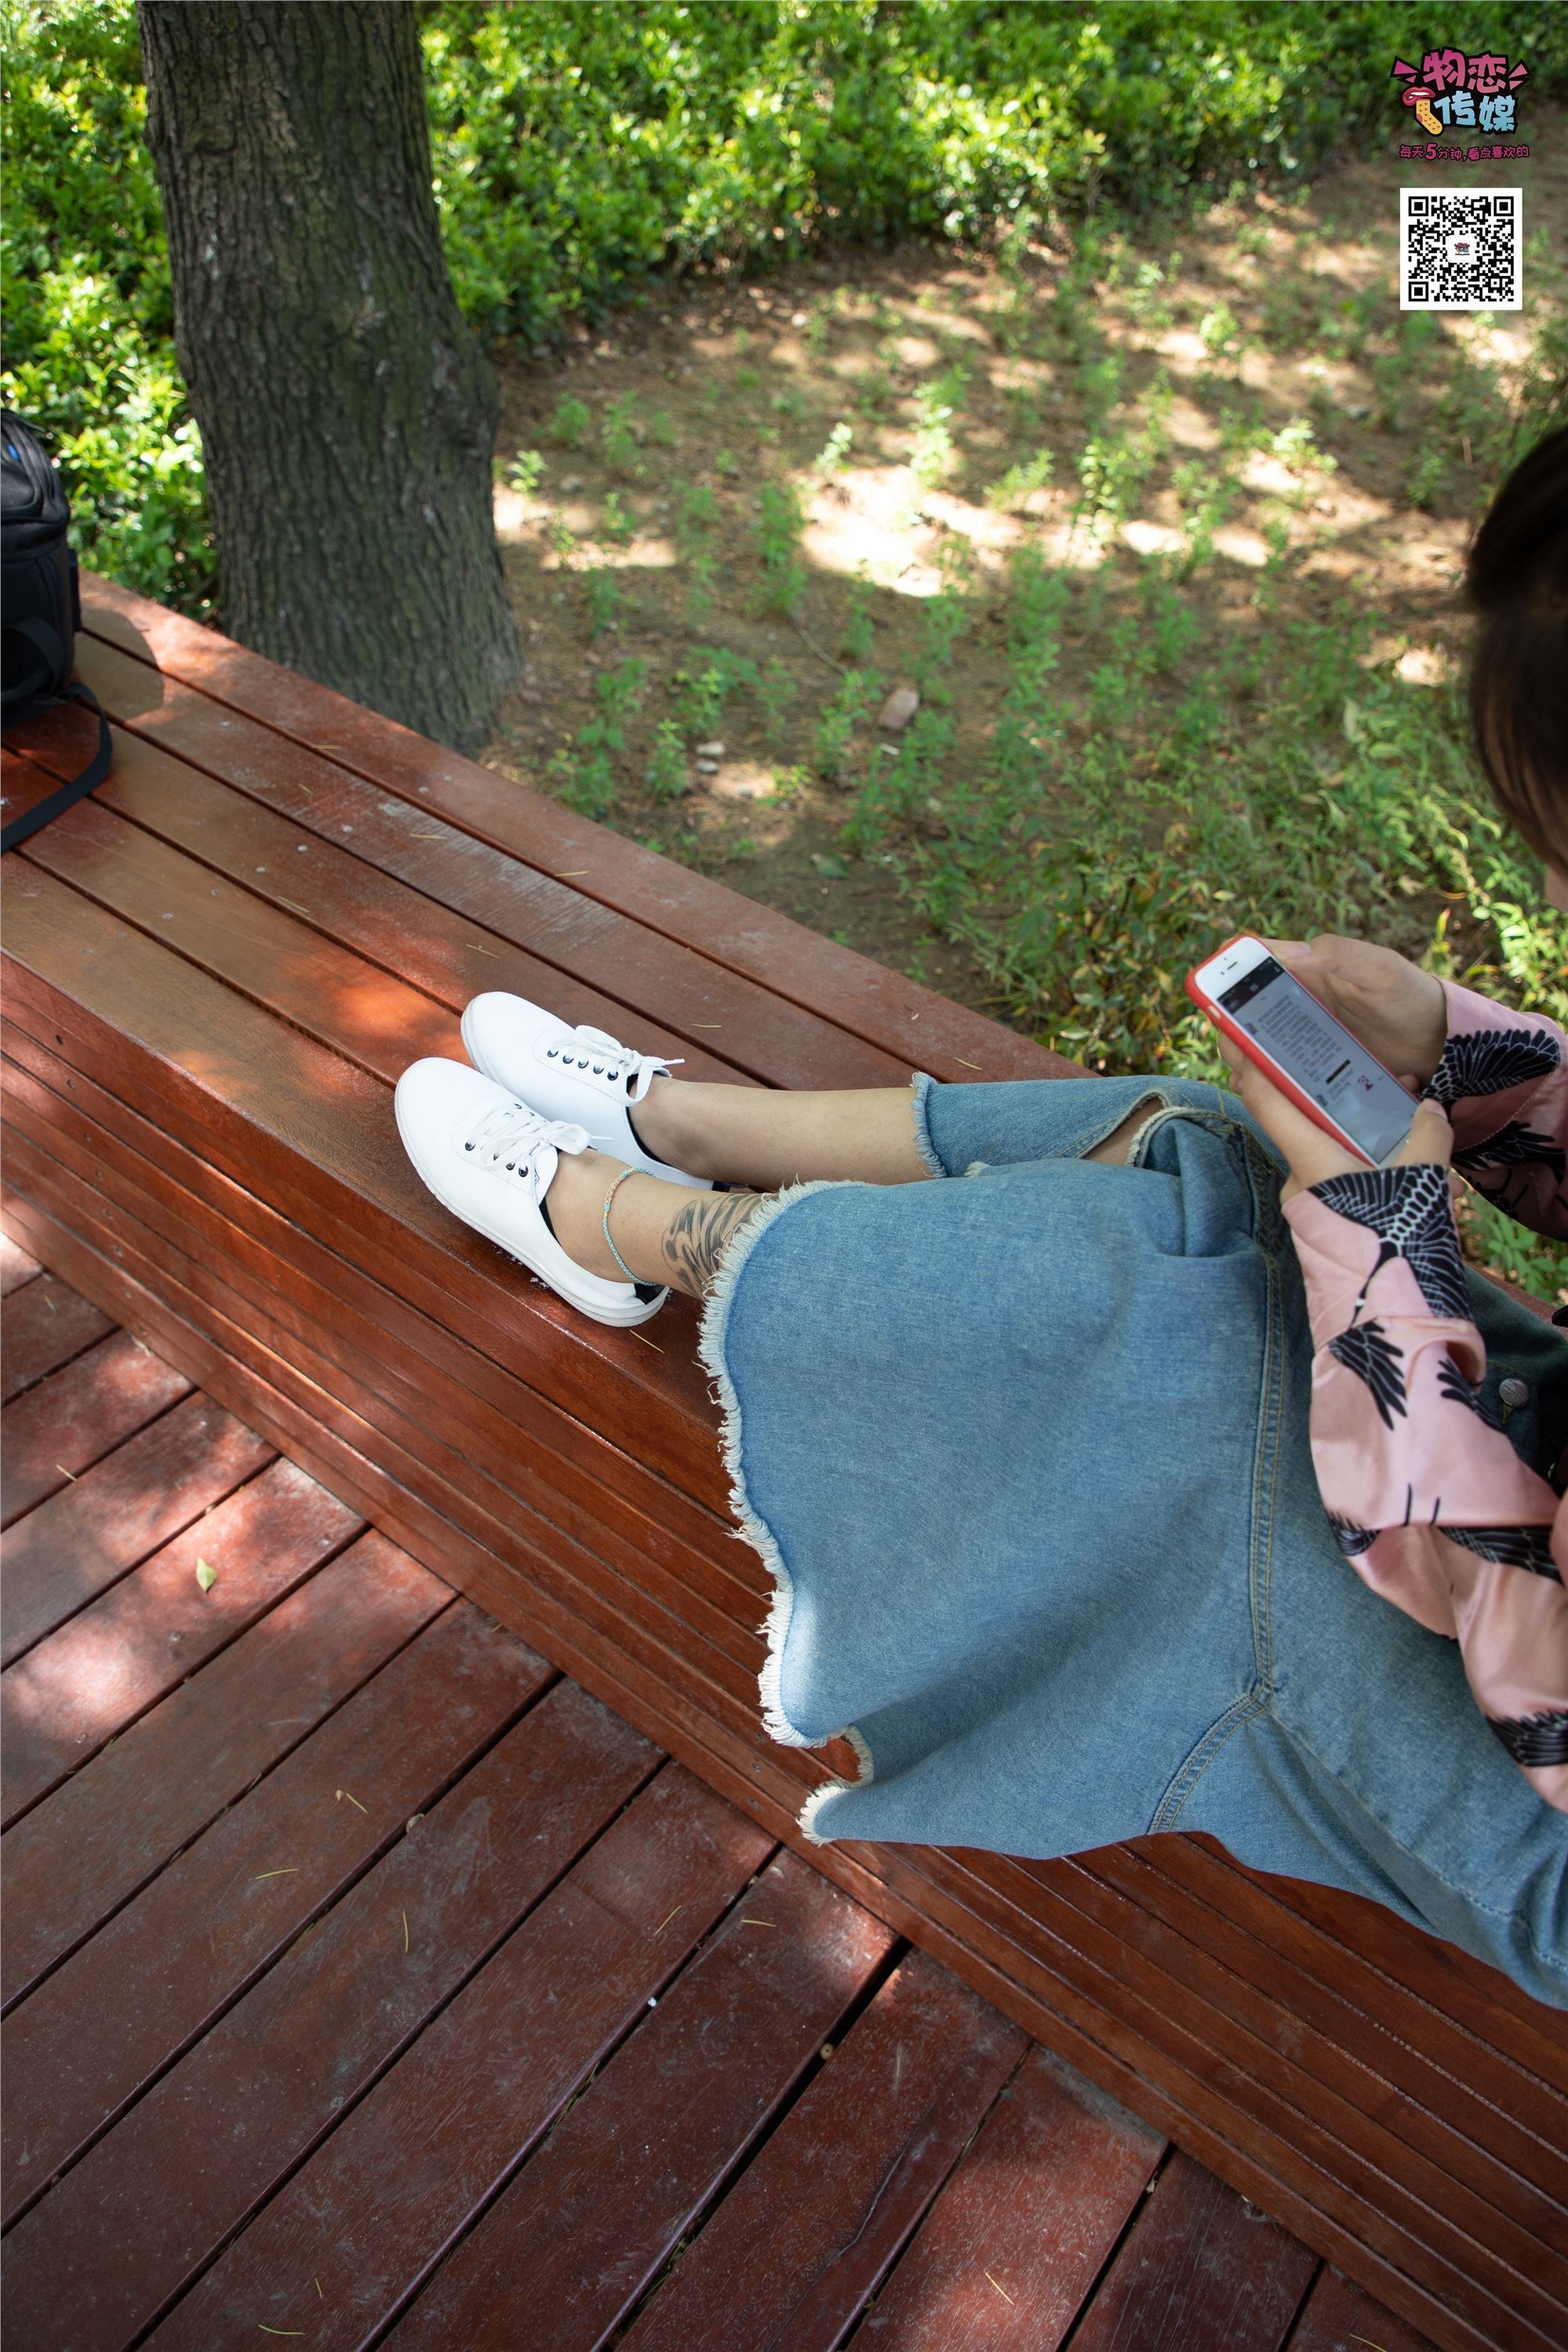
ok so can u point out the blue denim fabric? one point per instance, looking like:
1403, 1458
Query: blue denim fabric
1027, 1455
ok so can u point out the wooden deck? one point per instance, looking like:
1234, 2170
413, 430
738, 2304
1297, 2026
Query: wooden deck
214, 971
365, 1977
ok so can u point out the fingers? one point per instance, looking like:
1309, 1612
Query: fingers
1430, 1138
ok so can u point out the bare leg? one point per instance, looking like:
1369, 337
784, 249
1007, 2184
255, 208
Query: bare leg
666, 1233
766, 1137
670, 1233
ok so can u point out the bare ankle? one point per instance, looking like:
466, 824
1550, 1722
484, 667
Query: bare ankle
663, 1125
574, 1208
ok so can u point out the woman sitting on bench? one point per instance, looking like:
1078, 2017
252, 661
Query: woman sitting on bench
1087, 1476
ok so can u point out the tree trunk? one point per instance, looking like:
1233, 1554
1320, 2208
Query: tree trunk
347, 413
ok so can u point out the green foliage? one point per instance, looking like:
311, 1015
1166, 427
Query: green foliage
84, 280
570, 421
620, 434
667, 776
585, 776
778, 527
704, 685
835, 450
1088, 867
580, 145
841, 721
603, 591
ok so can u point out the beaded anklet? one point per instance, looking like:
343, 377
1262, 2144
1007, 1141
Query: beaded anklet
609, 1196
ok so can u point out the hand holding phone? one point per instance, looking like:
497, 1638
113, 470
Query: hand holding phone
1318, 1065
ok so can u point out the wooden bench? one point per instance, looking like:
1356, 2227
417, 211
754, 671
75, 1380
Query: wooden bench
214, 971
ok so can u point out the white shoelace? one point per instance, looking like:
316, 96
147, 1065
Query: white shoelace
616, 1061
507, 1138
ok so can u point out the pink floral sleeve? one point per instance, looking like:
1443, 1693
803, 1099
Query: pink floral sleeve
1426, 1494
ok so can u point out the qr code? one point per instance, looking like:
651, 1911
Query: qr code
1459, 248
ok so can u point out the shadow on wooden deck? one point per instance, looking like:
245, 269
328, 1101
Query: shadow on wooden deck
365, 1978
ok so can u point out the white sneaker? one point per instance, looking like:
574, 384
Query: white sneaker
491, 1159
579, 1073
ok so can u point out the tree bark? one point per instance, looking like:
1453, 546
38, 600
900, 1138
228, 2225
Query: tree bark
346, 410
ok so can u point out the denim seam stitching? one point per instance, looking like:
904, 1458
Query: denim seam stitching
1200, 1755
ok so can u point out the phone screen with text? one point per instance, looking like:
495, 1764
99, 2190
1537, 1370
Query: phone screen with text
1320, 1057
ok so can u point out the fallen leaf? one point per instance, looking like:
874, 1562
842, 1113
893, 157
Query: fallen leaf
406, 1931
288, 1870
572, 873
205, 1577
834, 868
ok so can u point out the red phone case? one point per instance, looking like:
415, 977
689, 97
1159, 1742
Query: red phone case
1272, 1069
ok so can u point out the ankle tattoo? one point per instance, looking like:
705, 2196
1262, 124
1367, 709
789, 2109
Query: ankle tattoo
697, 1234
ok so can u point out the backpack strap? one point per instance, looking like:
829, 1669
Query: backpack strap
54, 660
79, 785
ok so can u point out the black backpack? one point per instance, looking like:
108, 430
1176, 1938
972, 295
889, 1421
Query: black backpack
40, 609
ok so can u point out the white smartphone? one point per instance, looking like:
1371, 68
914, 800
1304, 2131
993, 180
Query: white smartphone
1310, 1055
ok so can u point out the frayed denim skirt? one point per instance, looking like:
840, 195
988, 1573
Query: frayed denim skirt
1026, 1454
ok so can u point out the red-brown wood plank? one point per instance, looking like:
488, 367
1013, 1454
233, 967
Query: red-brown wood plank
81, 1685
79, 1414
15, 1266
1459, 2102
1339, 2319
265, 951
80, 1123
598, 946
383, 919
890, 1011
375, 2208
1209, 2104
280, 1114
1199, 2266
1063, 2006
822, 2210
1406, 1941
520, 1456
81, 1854
108, 2022
1324, 2097
1021, 2232
42, 1328
65, 1553
606, 1578
564, 2252
107, 2251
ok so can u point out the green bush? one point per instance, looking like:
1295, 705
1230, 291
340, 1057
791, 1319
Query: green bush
580, 145
84, 281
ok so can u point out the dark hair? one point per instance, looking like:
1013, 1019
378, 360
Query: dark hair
1516, 579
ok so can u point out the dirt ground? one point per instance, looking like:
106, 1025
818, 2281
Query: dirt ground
717, 383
